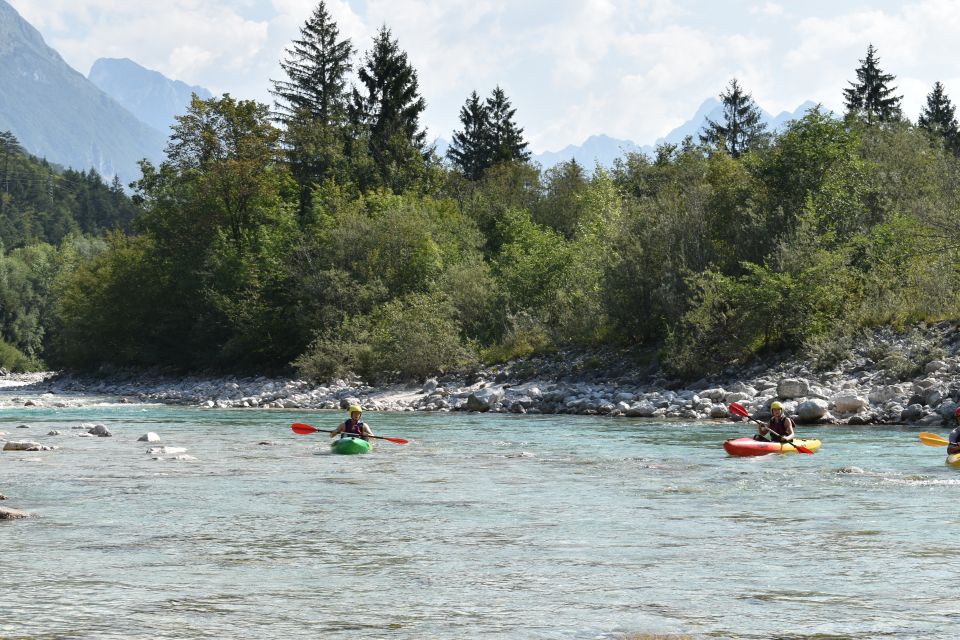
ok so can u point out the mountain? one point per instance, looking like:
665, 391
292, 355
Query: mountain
598, 149
149, 95
604, 149
57, 114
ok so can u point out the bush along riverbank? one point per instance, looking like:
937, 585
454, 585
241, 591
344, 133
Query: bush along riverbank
880, 377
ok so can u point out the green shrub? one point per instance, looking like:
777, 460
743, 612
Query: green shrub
406, 338
12, 359
525, 336
413, 337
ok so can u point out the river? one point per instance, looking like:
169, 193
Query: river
484, 526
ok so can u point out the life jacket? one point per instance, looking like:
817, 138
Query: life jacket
354, 430
778, 426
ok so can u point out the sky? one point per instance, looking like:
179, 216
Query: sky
630, 69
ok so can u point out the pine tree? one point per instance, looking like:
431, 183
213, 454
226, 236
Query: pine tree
387, 110
506, 138
489, 135
470, 149
871, 96
741, 129
312, 103
9, 146
939, 118
317, 65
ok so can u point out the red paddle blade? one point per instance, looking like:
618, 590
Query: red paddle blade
801, 449
397, 440
303, 429
739, 409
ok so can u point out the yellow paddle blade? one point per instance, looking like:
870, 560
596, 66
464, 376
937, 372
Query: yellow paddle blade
933, 440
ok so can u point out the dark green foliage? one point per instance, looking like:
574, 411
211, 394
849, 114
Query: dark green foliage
938, 117
871, 98
385, 112
741, 129
489, 137
343, 247
317, 65
410, 337
470, 149
506, 138
39, 203
313, 104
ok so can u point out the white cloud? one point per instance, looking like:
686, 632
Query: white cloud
573, 68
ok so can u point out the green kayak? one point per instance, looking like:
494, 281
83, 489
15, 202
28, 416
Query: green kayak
350, 445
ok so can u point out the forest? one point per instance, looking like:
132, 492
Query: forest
322, 235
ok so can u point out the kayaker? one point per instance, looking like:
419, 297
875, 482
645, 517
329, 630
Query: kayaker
353, 426
954, 446
780, 427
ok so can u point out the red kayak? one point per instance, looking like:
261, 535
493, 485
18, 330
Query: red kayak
751, 447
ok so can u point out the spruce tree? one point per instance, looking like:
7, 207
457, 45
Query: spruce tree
469, 151
939, 118
871, 97
312, 103
317, 65
506, 138
386, 109
489, 136
9, 146
742, 128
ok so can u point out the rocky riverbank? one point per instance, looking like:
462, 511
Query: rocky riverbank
880, 377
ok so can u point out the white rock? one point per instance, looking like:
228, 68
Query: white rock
793, 388
850, 403
150, 436
719, 411
811, 410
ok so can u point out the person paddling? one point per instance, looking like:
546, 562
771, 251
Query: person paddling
954, 437
780, 427
353, 426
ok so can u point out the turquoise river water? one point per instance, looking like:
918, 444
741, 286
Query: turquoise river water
484, 526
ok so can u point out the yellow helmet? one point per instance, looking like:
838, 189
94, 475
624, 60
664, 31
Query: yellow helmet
355, 407
775, 405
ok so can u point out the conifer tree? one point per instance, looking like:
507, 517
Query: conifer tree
386, 109
506, 138
317, 65
489, 135
939, 118
9, 146
470, 149
871, 97
741, 129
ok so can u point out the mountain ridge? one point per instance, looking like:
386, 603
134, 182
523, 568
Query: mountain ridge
149, 95
57, 114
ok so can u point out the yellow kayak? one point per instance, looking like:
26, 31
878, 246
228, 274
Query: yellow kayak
954, 460
751, 447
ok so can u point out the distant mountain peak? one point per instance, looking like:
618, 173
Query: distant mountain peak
604, 149
57, 114
146, 93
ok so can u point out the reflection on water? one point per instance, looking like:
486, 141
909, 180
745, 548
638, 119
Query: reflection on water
486, 526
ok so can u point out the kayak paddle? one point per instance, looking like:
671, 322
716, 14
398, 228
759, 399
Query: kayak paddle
304, 429
740, 410
933, 440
